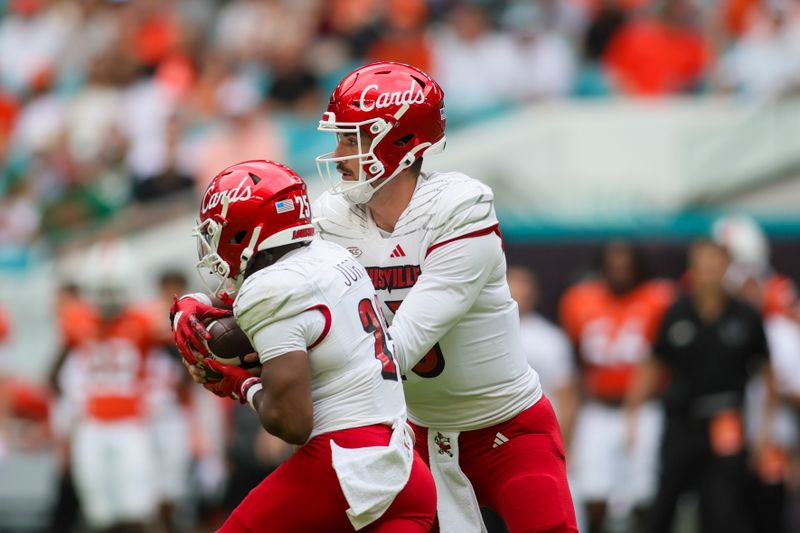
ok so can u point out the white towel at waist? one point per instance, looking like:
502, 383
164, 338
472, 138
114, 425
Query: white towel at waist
457, 506
371, 477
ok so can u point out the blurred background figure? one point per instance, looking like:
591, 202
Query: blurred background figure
74, 318
550, 353
663, 52
104, 387
612, 322
752, 278
548, 349
168, 400
711, 343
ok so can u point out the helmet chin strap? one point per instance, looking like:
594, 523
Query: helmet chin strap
364, 193
359, 195
248, 252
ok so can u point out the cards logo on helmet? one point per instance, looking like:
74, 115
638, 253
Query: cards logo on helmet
390, 99
239, 193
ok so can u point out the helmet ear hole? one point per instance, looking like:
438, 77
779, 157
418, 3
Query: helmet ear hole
404, 140
238, 238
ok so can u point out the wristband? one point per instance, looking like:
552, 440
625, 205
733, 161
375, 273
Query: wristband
250, 388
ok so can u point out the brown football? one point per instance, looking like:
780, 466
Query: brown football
228, 343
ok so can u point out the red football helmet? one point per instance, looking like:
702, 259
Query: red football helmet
399, 107
249, 207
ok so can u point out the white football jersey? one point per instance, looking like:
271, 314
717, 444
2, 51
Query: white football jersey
354, 379
456, 335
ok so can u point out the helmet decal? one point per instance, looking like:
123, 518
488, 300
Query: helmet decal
396, 114
388, 99
250, 207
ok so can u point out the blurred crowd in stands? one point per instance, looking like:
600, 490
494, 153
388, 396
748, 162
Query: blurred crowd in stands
106, 104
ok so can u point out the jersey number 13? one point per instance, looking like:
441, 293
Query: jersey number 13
373, 324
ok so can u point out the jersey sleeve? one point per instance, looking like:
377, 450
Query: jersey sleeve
335, 218
292, 334
320, 208
466, 209
452, 277
272, 295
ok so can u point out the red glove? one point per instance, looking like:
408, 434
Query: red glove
235, 381
186, 316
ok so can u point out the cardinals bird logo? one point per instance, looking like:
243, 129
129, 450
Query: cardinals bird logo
443, 443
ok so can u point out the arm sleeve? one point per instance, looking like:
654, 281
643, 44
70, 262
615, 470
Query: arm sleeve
452, 277
291, 334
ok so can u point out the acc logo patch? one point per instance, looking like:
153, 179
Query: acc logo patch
354, 251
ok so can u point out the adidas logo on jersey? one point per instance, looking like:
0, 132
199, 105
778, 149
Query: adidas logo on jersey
397, 252
499, 440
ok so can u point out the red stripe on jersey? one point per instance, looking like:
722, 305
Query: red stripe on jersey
328, 319
486, 231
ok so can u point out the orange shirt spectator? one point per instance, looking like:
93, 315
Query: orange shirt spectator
653, 57
405, 47
155, 36
405, 40
736, 14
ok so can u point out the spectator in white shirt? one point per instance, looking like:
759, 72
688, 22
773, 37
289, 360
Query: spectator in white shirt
547, 348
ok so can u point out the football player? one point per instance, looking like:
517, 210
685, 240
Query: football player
103, 410
612, 321
751, 277
431, 244
329, 381
430, 241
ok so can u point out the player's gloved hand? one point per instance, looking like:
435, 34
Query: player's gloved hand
199, 375
234, 383
186, 316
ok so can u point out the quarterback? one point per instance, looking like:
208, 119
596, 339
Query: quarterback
431, 244
329, 381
